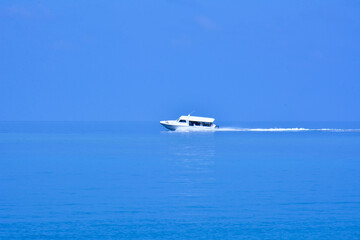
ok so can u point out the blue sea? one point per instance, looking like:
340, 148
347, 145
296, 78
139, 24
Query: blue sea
136, 180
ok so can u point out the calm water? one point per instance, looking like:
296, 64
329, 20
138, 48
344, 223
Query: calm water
104, 180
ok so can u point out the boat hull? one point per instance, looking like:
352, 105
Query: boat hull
175, 126
170, 127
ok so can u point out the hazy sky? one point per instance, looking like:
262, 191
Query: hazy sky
154, 60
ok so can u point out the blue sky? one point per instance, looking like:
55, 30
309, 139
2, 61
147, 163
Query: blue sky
153, 60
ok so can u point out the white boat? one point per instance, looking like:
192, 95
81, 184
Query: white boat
190, 122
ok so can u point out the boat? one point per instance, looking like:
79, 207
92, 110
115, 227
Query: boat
191, 122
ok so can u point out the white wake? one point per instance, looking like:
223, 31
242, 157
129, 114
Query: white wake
236, 129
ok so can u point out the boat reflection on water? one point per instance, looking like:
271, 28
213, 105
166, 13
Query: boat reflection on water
192, 157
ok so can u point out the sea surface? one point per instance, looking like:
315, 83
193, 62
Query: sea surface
136, 180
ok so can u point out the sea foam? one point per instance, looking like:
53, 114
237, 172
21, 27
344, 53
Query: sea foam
237, 129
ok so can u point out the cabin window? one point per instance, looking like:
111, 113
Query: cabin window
193, 123
182, 121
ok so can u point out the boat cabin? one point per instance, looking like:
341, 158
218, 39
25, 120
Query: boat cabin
197, 121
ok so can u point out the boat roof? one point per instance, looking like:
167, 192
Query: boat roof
197, 119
